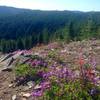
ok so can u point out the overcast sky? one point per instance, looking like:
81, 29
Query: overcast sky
81, 5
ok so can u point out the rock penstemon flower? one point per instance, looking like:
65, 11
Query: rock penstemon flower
92, 61
37, 93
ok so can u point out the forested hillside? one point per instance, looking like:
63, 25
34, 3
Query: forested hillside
23, 29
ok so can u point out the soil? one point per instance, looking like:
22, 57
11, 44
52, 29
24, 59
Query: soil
7, 84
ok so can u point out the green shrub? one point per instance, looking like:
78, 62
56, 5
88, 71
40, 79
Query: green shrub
22, 70
28, 73
25, 70
52, 54
67, 91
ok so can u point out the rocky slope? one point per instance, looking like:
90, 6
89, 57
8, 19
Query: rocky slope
59, 54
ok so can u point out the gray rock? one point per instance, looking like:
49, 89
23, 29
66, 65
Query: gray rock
23, 59
27, 95
30, 84
7, 57
14, 97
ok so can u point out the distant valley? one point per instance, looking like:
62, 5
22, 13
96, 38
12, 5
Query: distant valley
23, 28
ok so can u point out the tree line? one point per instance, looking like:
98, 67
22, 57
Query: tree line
24, 29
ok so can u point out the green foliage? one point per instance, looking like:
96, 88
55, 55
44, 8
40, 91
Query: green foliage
71, 91
27, 29
52, 54
24, 70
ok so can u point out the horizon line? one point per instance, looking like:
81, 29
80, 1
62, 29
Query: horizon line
48, 9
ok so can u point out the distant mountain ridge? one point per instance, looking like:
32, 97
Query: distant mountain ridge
36, 26
9, 10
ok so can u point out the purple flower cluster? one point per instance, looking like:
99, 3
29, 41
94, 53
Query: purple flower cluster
92, 61
96, 81
59, 73
36, 63
94, 91
51, 71
38, 90
37, 93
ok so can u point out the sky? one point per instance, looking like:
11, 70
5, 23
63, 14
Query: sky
79, 5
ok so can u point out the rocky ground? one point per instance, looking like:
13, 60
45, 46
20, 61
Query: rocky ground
68, 53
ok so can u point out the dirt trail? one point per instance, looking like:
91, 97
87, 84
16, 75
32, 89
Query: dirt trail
5, 91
